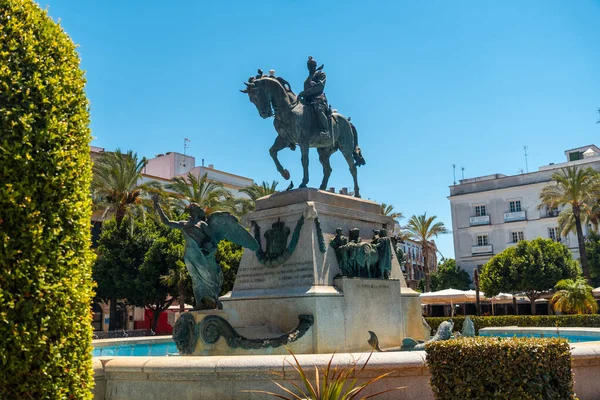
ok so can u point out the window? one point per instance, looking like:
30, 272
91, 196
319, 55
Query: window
553, 234
482, 240
576, 155
515, 205
516, 236
480, 210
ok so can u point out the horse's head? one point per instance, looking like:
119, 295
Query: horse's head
260, 95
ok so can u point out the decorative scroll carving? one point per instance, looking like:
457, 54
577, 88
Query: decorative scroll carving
276, 237
185, 335
213, 327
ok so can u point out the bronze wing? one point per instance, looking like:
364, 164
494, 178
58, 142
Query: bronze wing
225, 226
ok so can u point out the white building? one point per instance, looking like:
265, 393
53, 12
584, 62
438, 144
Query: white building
164, 167
493, 212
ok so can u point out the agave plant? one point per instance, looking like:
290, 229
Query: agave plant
330, 383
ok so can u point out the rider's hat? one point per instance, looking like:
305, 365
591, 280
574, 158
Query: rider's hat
311, 61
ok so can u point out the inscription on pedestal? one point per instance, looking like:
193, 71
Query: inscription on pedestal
289, 275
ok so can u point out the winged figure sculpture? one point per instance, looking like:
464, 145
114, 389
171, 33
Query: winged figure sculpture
202, 235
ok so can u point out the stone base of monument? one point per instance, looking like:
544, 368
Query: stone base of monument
292, 293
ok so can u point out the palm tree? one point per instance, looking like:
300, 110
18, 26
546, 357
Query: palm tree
237, 206
388, 210
116, 186
255, 191
578, 188
423, 229
590, 213
574, 297
180, 278
192, 189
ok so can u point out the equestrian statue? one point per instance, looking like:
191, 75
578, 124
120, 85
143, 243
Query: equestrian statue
305, 120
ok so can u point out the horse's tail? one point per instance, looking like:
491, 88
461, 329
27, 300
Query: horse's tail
356, 154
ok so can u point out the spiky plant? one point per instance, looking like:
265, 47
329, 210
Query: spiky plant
337, 383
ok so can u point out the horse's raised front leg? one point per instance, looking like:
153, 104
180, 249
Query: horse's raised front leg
324, 154
278, 145
304, 148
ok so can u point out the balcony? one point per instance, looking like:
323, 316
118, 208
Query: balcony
476, 250
515, 216
549, 213
481, 220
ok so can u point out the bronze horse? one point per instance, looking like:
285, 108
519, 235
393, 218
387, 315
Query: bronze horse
296, 124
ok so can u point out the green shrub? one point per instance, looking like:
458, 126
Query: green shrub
486, 368
550, 321
45, 208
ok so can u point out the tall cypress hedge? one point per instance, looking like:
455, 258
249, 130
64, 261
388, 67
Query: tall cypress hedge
45, 174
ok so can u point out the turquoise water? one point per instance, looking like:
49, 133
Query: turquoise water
570, 338
138, 349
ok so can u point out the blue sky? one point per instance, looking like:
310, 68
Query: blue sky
428, 84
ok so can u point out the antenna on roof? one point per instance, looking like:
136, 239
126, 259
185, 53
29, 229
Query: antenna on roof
185, 144
454, 172
525, 153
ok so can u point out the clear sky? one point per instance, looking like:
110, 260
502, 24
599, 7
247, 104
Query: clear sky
428, 84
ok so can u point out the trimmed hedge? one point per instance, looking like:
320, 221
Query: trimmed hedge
45, 209
486, 368
550, 321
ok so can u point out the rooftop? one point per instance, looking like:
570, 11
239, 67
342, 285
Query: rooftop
577, 156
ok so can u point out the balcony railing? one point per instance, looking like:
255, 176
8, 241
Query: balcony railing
481, 220
481, 249
549, 213
515, 216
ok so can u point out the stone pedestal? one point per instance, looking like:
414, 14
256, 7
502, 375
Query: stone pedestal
268, 297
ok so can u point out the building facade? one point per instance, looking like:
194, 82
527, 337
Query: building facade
493, 212
414, 262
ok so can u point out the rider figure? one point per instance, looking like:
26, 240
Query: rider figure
313, 95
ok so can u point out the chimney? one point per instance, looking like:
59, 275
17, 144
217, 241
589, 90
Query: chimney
332, 189
211, 166
344, 191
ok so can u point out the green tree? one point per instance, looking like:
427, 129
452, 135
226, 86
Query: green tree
255, 191
388, 210
121, 252
179, 277
164, 255
592, 249
117, 188
45, 210
449, 275
574, 297
529, 267
577, 188
132, 263
423, 229
192, 189
229, 256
